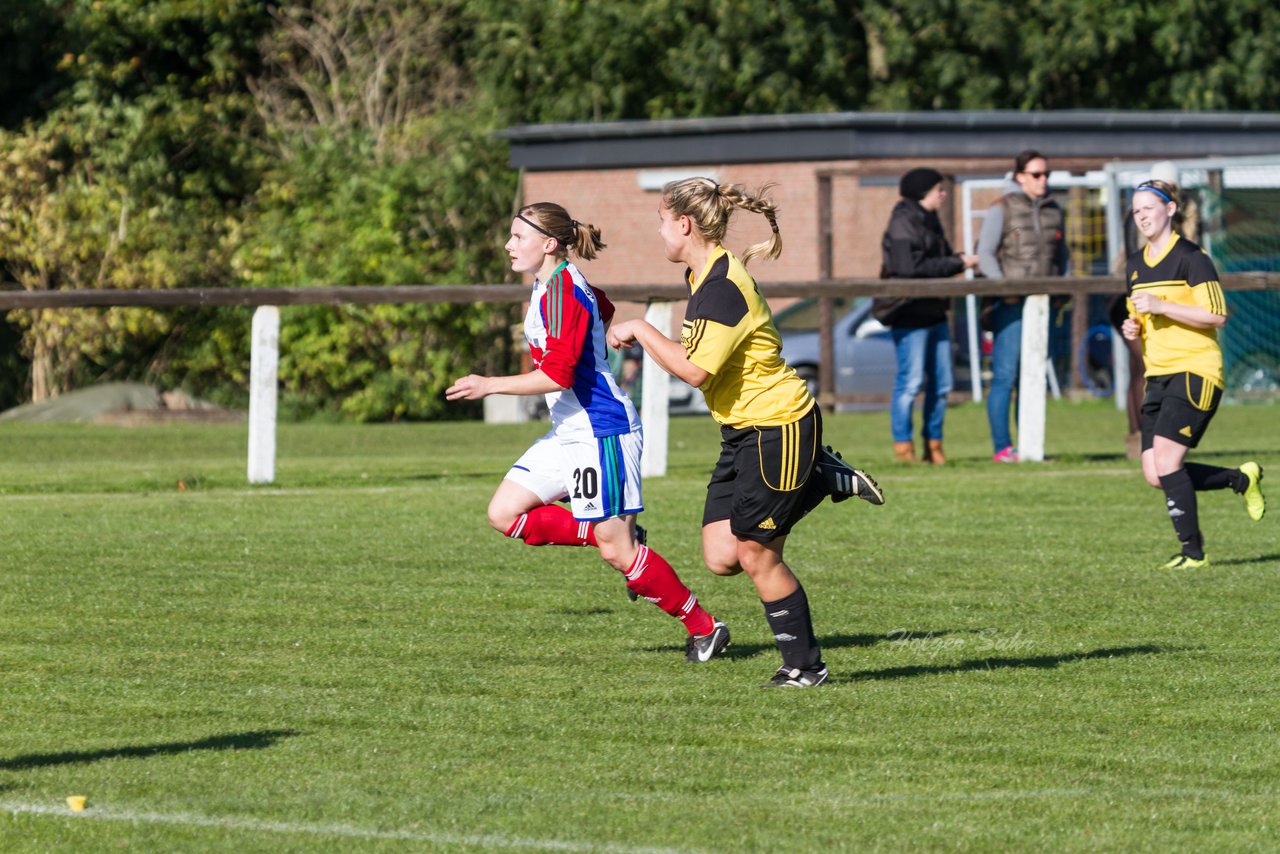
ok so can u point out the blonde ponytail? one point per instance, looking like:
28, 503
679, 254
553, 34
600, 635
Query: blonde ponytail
708, 205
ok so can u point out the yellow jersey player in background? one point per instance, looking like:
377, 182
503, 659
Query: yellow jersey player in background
1176, 306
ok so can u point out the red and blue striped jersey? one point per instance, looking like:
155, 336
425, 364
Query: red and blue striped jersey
565, 331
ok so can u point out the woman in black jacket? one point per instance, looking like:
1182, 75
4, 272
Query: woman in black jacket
914, 247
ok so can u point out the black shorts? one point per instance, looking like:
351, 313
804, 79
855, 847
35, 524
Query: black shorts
1178, 407
759, 481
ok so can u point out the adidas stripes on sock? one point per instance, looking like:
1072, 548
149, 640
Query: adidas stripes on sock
652, 578
793, 630
552, 525
1180, 499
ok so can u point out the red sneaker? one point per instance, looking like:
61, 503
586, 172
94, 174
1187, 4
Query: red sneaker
1008, 455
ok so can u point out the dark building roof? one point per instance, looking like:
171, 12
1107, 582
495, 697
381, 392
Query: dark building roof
847, 136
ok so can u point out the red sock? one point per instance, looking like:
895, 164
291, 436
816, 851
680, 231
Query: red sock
653, 578
552, 525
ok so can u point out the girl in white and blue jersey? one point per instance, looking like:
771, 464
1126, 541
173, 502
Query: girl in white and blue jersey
591, 454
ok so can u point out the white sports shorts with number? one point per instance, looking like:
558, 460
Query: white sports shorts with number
599, 476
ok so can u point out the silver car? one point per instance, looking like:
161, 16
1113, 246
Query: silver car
865, 358
866, 362
864, 355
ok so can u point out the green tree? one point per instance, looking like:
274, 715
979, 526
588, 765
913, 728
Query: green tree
333, 215
567, 60
66, 224
333, 68
161, 143
383, 176
132, 179
28, 60
1071, 54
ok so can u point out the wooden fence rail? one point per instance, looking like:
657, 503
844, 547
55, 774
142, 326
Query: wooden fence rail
505, 293
268, 301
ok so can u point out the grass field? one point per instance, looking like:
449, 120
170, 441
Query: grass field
351, 659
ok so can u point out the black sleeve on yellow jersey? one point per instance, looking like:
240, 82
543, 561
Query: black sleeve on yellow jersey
718, 299
1200, 268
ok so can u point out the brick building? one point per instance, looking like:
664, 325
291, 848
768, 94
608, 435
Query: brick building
836, 169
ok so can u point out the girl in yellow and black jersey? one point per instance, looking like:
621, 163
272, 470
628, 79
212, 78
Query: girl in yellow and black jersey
1176, 306
773, 468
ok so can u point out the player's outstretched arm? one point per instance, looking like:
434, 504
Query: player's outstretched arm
670, 355
475, 387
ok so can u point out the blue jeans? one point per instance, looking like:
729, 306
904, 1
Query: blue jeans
924, 362
1006, 323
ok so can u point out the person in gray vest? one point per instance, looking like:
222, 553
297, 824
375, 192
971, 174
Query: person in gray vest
1021, 237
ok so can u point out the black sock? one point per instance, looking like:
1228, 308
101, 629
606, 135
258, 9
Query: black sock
1180, 499
793, 630
1205, 478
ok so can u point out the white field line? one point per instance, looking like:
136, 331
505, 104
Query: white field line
182, 819
487, 841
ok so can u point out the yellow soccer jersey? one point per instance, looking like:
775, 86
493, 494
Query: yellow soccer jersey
1184, 275
728, 331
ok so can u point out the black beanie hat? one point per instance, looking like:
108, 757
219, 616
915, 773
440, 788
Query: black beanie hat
917, 183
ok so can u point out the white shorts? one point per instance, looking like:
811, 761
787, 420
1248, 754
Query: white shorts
600, 477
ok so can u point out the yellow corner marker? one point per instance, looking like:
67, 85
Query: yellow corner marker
76, 802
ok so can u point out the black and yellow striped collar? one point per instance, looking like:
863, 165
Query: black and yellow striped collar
1146, 251
715, 255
